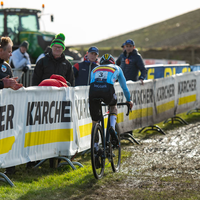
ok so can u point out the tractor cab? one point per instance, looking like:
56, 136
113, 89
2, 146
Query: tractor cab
23, 24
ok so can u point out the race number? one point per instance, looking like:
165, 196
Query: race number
101, 75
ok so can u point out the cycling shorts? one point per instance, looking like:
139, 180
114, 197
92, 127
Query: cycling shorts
103, 91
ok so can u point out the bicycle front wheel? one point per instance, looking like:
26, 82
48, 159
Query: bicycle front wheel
116, 152
97, 152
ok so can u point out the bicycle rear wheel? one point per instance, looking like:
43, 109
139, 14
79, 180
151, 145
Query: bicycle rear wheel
116, 153
97, 152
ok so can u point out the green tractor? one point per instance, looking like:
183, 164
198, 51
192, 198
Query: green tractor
23, 24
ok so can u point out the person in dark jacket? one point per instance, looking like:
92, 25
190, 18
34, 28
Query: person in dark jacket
54, 62
6, 75
82, 70
131, 62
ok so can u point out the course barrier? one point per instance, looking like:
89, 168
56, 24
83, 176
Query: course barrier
37, 123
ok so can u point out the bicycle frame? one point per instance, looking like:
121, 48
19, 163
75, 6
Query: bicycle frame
105, 134
101, 122
108, 149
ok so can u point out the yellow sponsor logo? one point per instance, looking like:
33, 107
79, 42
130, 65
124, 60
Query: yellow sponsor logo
165, 107
85, 130
187, 99
46, 137
144, 112
6, 144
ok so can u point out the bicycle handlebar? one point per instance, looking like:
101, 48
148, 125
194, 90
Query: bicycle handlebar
128, 107
120, 104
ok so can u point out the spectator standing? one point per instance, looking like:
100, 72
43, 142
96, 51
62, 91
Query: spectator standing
20, 60
131, 63
82, 70
6, 72
54, 63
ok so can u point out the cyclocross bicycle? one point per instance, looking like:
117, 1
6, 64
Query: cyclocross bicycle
101, 146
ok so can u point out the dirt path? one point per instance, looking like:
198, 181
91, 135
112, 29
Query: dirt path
163, 167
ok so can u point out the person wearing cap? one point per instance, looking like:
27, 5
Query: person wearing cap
83, 69
20, 60
131, 63
54, 62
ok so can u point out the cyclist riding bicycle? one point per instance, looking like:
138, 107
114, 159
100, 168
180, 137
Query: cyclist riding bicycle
102, 82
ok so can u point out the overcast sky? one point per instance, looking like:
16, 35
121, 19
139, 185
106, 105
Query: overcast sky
87, 21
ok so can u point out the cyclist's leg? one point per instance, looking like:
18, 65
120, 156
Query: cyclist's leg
113, 119
113, 116
115, 140
116, 152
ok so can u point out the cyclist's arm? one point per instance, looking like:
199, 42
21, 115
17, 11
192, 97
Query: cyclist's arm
122, 82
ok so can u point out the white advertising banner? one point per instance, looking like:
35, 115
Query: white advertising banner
42, 122
36, 123
164, 94
83, 119
142, 111
188, 88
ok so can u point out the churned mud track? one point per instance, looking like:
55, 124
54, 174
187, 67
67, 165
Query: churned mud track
162, 167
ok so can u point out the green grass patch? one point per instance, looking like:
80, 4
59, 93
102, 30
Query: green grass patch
62, 183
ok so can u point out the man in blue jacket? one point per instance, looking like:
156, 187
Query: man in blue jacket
82, 70
131, 62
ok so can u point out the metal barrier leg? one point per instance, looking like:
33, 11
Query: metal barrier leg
153, 127
196, 110
6, 179
127, 136
77, 163
68, 162
176, 118
40, 163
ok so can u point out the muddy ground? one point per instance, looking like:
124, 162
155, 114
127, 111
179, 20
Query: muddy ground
162, 167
